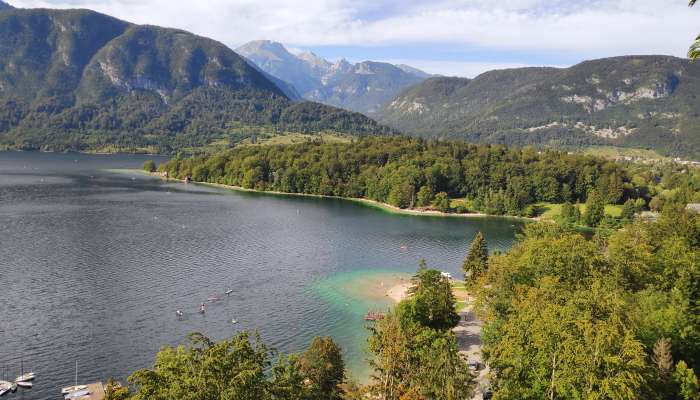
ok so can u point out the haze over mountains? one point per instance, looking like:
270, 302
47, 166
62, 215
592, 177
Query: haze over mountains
79, 80
634, 101
362, 87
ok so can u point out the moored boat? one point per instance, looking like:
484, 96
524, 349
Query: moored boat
24, 384
5, 387
25, 377
71, 389
77, 394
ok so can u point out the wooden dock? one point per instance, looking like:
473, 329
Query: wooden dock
97, 392
374, 316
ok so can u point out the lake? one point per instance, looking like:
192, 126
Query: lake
94, 263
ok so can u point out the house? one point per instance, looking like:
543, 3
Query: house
446, 275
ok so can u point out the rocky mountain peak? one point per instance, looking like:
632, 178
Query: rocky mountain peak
315, 60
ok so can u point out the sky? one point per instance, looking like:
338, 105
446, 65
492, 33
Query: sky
448, 37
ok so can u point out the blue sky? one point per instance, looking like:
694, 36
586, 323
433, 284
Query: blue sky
450, 37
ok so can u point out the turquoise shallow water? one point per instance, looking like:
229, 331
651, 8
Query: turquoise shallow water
95, 263
349, 296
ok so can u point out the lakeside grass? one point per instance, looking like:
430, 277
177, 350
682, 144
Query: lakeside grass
553, 210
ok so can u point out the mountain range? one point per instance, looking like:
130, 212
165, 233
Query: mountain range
362, 87
85, 81
81, 80
632, 101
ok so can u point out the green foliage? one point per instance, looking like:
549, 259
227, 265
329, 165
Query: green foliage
602, 317
238, 369
149, 166
687, 381
114, 391
434, 305
570, 214
595, 209
476, 263
425, 196
231, 369
545, 350
414, 351
628, 211
322, 364
441, 202
408, 172
694, 51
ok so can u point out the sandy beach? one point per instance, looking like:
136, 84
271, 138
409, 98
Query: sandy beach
398, 292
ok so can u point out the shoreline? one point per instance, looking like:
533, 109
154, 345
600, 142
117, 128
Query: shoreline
366, 202
399, 292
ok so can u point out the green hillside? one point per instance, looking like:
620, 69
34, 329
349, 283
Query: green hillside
632, 101
80, 80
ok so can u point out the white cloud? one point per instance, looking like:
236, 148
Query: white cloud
585, 29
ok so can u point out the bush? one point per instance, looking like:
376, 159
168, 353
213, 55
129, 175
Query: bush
149, 166
442, 202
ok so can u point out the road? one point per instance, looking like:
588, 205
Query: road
468, 333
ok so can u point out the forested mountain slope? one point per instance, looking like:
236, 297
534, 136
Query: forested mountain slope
634, 101
80, 80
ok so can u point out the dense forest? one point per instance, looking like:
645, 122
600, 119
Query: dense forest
446, 176
615, 316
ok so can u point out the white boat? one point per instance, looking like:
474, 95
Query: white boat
5, 387
24, 384
25, 377
228, 292
14, 387
71, 389
77, 395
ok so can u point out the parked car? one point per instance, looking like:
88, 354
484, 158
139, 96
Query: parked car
488, 394
473, 365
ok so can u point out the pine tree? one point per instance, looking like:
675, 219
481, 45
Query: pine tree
477, 259
595, 209
628, 211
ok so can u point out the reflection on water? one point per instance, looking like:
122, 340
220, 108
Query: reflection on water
95, 263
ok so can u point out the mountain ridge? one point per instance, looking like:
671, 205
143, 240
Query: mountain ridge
81, 80
362, 87
631, 101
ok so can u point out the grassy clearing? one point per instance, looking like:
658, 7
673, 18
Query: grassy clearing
553, 210
612, 152
297, 138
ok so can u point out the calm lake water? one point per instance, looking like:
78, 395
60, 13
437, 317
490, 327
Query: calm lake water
94, 263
